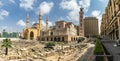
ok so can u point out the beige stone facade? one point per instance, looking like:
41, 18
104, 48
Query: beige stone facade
34, 32
61, 31
110, 26
91, 26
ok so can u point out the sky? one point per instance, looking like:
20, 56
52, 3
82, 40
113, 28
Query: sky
13, 12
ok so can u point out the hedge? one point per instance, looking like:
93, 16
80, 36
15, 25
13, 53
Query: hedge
99, 51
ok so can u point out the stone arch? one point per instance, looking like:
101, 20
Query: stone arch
55, 39
47, 39
51, 33
51, 39
58, 38
62, 38
71, 38
31, 35
74, 38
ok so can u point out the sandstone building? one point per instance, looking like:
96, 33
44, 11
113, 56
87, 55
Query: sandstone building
34, 31
110, 26
61, 31
91, 26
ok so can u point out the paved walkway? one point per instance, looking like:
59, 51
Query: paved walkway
86, 56
115, 51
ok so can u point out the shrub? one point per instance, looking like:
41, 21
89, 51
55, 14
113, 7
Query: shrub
81, 39
49, 44
99, 51
98, 48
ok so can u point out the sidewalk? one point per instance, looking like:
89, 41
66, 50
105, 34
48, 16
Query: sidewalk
87, 55
115, 51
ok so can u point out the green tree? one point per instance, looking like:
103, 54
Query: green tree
7, 44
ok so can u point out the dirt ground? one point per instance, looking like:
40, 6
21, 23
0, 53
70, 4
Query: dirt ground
35, 51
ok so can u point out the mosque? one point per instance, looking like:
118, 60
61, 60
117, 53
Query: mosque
61, 31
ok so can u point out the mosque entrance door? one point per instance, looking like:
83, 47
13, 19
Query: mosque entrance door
31, 35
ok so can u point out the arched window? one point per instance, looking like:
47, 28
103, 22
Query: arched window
51, 33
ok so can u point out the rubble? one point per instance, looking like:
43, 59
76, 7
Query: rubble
35, 51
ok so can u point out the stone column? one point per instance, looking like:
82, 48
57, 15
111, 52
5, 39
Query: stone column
28, 36
119, 26
115, 38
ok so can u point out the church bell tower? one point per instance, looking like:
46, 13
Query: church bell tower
81, 22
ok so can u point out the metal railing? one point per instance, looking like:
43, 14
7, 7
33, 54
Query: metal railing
106, 57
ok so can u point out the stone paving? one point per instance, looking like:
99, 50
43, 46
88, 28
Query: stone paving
87, 55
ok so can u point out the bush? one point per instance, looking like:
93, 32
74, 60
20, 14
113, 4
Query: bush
98, 48
99, 51
81, 39
49, 45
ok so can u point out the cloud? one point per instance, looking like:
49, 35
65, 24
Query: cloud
1, 4
33, 22
102, 0
46, 7
21, 23
44, 23
98, 14
27, 4
49, 23
60, 18
12, 1
73, 7
4, 27
3, 13
85, 4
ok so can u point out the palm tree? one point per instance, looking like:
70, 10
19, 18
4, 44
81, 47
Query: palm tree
7, 44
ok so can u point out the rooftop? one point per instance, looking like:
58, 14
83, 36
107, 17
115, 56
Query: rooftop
88, 18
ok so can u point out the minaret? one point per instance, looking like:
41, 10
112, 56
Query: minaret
46, 22
81, 22
27, 21
40, 20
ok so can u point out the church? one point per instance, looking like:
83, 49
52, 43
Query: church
61, 31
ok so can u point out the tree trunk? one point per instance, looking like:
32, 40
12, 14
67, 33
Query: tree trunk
6, 51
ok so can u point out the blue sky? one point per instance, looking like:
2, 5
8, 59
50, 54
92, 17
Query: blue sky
13, 12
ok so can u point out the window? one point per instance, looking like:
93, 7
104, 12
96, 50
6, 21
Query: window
51, 33
58, 26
